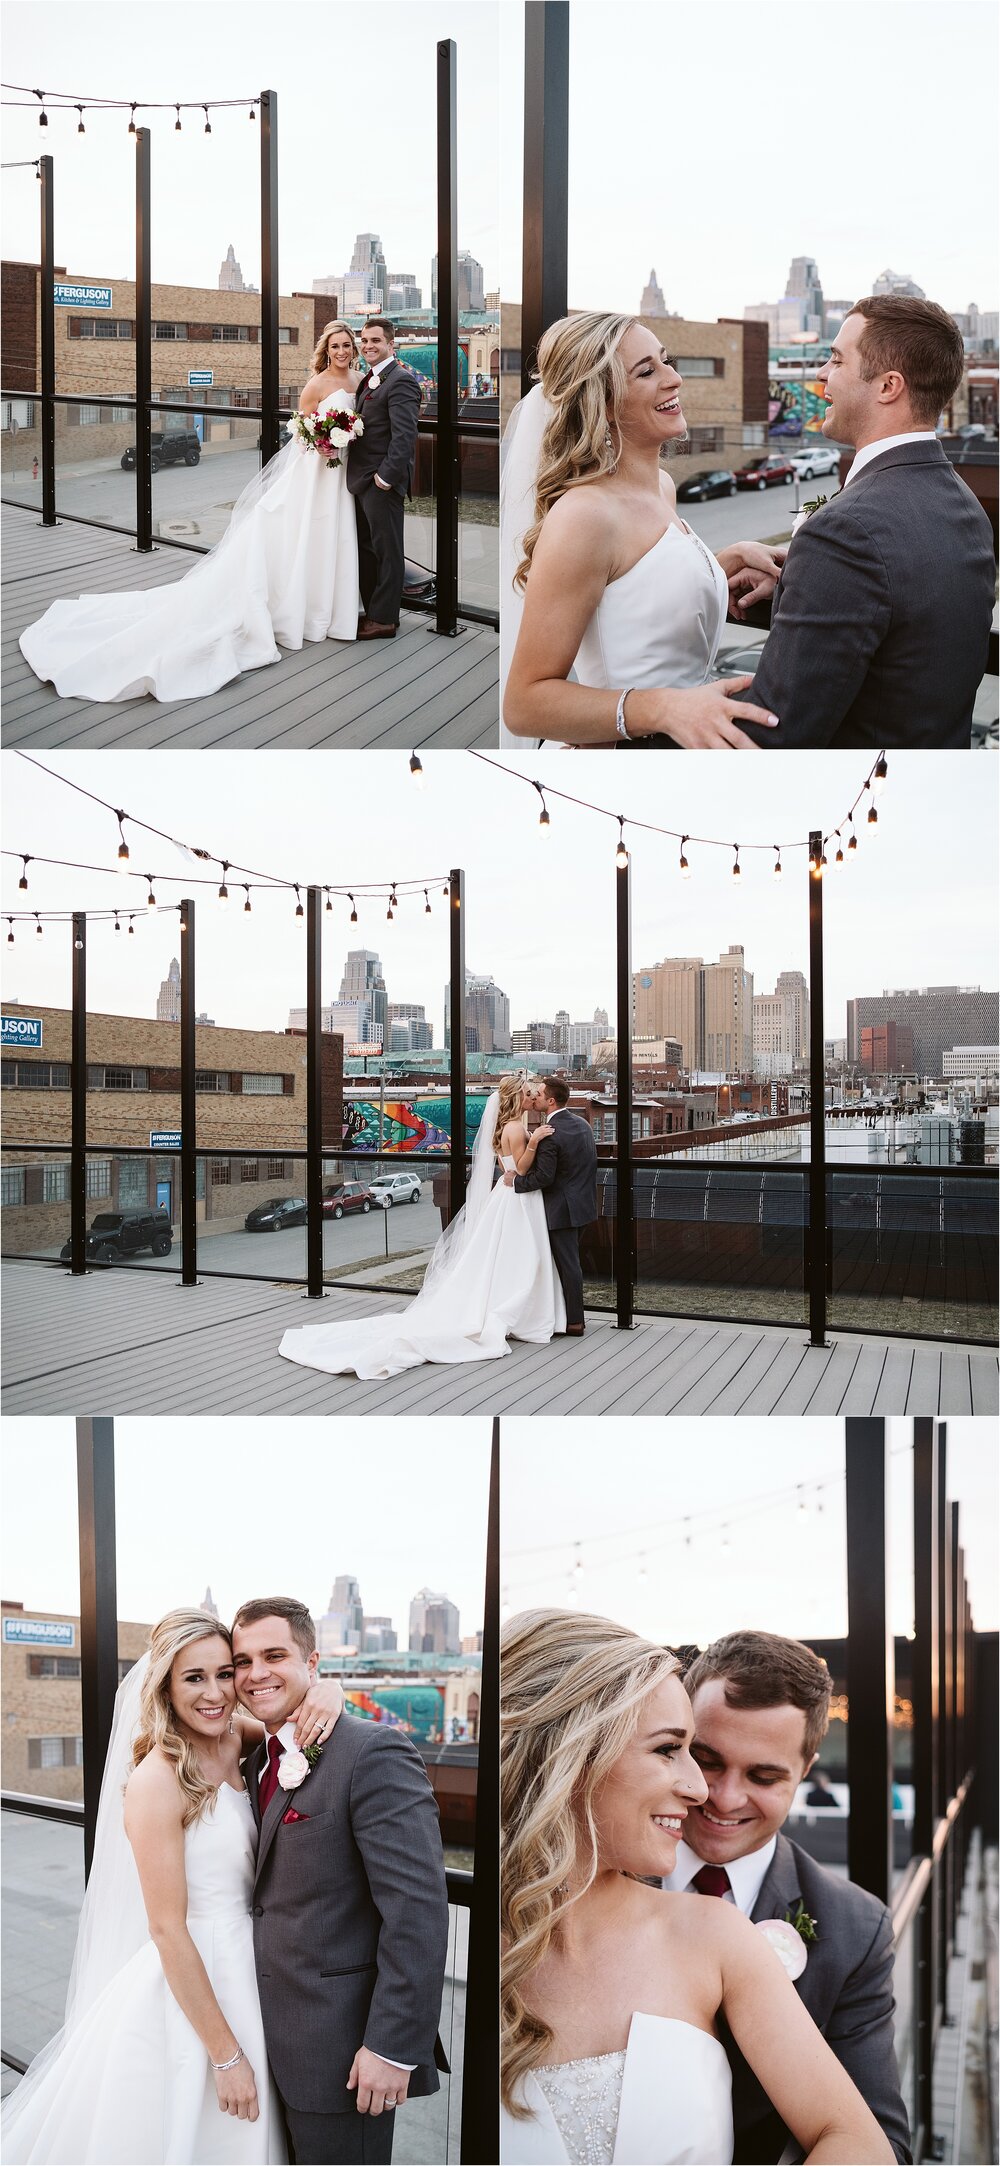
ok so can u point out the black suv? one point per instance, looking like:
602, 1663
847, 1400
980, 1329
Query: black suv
117, 1234
180, 447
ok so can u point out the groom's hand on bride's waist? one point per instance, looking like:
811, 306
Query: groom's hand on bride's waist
380, 2085
509, 1178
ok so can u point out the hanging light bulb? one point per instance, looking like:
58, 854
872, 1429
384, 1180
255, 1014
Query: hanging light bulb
131, 125
299, 912
446, 891
839, 859
208, 124
182, 922
737, 874
852, 844
427, 904
223, 890
544, 821
725, 1542
881, 771
177, 123
43, 118
683, 867
621, 854
354, 914
253, 115
117, 923
151, 898
246, 907
417, 771
131, 928
822, 862
802, 1508
872, 816
10, 935
578, 1563
776, 868
642, 1568
329, 905
23, 881
123, 845
38, 925
81, 130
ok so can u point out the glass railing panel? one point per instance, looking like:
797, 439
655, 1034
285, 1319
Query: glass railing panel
720, 1240
913, 1253
429, 2129
34, 1184
381, 1219
202, 461
906, 1972
251, 1213
95, 477
42, 1894
599, 1245
479, 515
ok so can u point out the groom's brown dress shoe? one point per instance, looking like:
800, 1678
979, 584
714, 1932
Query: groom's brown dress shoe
575, 1331
370, 630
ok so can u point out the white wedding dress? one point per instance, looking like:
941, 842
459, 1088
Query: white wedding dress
130, 2083
285, 571
491, 1278
665, 2101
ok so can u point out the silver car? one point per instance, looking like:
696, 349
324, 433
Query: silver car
393, 1188
815, 459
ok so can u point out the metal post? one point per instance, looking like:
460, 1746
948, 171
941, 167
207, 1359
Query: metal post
48, 341
456, 1034
95, 1488
482, 2025
815, 1247
78, 1101
624, 1181
447, 448
143, 344
956, 1769
925, 1725
269, 387
314, 1092
870, 1659
941, 1906
189, 1103
545, 210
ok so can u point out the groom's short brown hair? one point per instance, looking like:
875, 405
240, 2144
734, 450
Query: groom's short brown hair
919, 339
295, 1614
760, 1669
557, 1088
381, 323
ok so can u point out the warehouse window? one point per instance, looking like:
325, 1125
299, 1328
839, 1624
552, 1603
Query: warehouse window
101, 327
249, 1169
275, 1169
221, 1173
12, 1186
53, 1665
170, 330
232, 334
98, 1177
268, 1086
55, 1752
211, 1079
690, 364
55, 1184
36, 1075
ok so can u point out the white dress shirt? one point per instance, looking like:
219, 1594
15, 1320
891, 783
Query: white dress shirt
888, 443
746, 1875
286, 1737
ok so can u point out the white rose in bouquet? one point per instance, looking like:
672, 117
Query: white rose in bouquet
339, 437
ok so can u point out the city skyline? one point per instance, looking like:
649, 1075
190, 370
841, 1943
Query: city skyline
687, 168
539, 904
201, 1501
94, 174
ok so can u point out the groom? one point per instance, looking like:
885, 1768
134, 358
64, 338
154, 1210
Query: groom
565, 1170
350, 1908
380, 476
881, 618
761, 1708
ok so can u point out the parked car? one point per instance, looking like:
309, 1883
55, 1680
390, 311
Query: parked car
722, 482
815, 459
764, 473
392, 1188
176, 447
277, 1212
113, 1235
346, 1196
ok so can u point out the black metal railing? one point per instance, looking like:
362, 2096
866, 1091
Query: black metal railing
449, 430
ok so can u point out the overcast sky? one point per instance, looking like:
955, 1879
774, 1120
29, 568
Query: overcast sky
623, 1490
261, 1507
917, 907
356, 134
718, 144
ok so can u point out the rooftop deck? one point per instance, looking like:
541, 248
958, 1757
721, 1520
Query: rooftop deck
417, 689
135, 1342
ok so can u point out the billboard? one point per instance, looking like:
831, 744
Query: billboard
67, 296
38, 1632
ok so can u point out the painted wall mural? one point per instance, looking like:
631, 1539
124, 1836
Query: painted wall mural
408, 1124
784, 407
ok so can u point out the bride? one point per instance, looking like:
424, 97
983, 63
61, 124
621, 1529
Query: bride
285, 571
613, 1993
599, 571
163, 2030
491, 1277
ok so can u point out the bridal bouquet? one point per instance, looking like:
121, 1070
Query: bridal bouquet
330, 434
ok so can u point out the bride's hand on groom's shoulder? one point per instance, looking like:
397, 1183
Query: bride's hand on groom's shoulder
539, 1134
317, 1715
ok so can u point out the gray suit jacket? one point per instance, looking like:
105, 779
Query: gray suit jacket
847, 1988
389, 444
881, 619
565, 1170
350, 1917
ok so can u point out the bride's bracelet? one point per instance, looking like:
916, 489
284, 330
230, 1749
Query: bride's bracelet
620, 730
220, 2066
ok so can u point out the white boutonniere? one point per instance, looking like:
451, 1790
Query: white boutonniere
293, 1767
788, 1937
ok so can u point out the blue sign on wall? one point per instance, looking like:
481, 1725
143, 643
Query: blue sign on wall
37, 1632
200, 378
164, 1139
83, 296
23, 1030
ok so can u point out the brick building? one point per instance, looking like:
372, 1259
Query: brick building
195, 328
40, 1688
251, 1109
886, 1049
939, 1017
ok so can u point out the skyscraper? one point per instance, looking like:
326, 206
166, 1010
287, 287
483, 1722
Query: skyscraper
487, 1015
804, 283
781, 1025
939, 1016
168, 999
434, 1625
898, 282
368, 262
343, 1624
470, 283
729, 1015
707, 1007
363, 982
652, 303
231, 279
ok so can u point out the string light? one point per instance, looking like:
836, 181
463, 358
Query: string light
621, 854
683, 866
776, 868
737, 874
427, 905
38, 925
872, 816
881, 771
123, 845
151, 898
246, 907
354, 914
329, 905
10, 935
131, 928
81, 130
253, 115
118, 924
802, 1509
43, 118
839, 859
208, 124
416, 770
852, 843
177, 123
23, 881
223, 890
299, 911
544, 821
131, 125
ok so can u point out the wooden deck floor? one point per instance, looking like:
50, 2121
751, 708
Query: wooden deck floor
414, 690
132, 1342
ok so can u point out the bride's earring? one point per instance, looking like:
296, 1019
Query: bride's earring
609, 446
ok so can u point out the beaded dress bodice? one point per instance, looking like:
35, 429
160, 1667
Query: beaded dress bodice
585, 2097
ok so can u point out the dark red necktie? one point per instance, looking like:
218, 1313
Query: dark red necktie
711, 1880
269, 1779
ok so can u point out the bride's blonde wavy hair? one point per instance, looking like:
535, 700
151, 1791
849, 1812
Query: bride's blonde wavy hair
511, 1089
158, 1725
570, 1696
321, 357
584, 382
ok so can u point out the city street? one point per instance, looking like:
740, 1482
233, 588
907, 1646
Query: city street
355, 1239
753, 514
